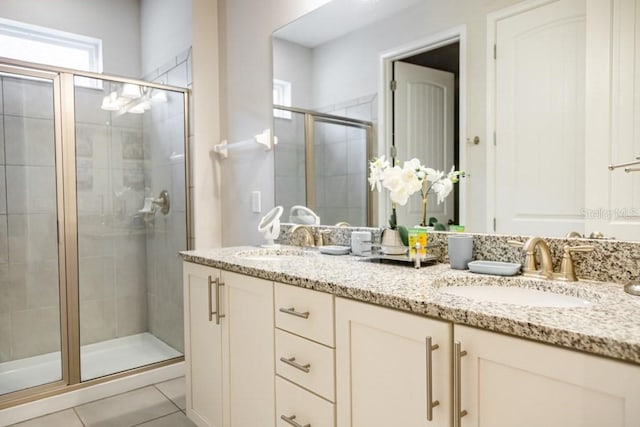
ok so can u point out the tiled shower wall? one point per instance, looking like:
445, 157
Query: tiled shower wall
111, 242
29, 308
290, 188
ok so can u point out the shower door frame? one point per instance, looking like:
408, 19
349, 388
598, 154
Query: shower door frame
310, 119
67, 222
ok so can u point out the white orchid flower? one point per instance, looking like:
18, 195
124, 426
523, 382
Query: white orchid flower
376, 172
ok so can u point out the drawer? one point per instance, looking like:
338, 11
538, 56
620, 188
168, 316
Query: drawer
305, 312
307, 408
313, 367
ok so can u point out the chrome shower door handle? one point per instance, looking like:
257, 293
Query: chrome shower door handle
429, 371
458, 412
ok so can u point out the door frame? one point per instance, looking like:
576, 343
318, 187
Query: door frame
492, 22
385, 105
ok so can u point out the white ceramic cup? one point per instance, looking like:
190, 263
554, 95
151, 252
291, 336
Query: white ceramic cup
460, 251
361, 242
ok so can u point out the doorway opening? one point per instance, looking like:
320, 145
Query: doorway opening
444, 58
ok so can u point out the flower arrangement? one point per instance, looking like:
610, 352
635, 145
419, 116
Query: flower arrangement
412, 177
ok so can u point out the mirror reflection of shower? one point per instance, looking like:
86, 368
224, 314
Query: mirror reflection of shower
321, 163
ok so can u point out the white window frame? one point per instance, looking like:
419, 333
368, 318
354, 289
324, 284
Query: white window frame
90, 45
282, 96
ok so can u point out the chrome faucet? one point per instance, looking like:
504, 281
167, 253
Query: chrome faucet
567, 272
530, 262
309, 238
530, 268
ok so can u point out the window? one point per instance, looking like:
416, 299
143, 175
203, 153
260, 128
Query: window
281, 96
32, 43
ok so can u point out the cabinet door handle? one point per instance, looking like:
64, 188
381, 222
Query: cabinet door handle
458, 412
216, 313
292, 311
292, 362
290, 420
429, 365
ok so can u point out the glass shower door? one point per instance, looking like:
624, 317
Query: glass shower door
30, 318
131, 210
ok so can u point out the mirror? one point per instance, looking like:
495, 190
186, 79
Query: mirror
336, 68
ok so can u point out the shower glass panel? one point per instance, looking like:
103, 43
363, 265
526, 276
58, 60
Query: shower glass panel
30, 339
130, 179
340, 172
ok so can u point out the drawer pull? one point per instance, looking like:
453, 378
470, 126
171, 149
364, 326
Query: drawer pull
291, 421
292, 362
292, 311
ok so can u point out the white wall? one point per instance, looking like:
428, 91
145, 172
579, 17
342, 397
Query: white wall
247, 79
165, 31
294, 64
116, 22
250, 91
205, 169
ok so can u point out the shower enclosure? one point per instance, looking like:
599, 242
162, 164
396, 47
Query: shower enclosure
321, 162
93, 210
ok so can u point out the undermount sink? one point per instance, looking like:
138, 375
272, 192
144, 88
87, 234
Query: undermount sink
269, 254
517, 295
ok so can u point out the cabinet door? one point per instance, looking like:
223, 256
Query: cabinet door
508, 382
382, 366
248, 351
203, 345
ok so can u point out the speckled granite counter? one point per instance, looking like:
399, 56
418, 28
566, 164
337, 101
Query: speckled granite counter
609, 326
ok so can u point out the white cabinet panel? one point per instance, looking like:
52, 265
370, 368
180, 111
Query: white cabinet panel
509, 381
248, 351
203, 347
381, 367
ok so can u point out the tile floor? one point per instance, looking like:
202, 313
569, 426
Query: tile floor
158, 405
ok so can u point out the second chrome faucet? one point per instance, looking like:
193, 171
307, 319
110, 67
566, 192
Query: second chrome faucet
544, 268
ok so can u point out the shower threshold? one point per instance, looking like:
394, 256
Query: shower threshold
98, 359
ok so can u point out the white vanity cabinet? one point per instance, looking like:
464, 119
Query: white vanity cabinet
506, 382
229, 348
391, 367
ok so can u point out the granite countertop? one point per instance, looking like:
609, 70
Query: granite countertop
609, 326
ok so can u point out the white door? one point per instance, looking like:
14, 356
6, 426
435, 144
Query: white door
507, 382
539, 120
203, 346
423, 128
381, 367
613, 114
